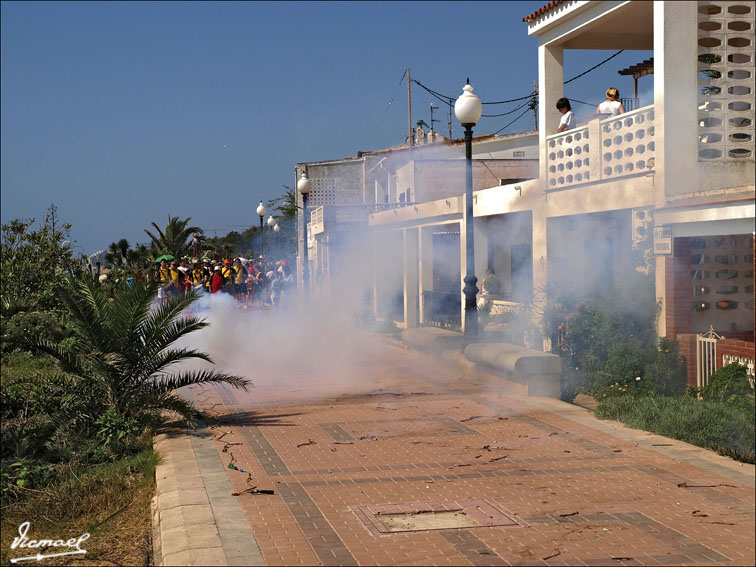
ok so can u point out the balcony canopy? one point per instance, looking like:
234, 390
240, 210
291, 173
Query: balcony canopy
595, 25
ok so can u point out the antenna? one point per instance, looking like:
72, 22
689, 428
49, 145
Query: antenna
432, 120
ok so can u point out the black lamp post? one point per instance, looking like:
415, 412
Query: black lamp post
261, 214
303, 186
468, 109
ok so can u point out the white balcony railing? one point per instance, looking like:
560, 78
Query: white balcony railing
602, 149
335, 214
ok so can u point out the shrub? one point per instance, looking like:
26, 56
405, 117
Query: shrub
730, 385
492, 284
704, 423
18, 329
609, 351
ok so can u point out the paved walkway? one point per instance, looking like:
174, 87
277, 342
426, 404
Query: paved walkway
420, 465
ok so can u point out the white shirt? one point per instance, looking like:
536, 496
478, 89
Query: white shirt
568, 120
610, 107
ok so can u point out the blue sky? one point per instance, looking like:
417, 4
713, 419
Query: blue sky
123, 113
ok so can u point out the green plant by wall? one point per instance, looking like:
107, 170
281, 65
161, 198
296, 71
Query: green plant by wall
610, 351
492, 284
729, 385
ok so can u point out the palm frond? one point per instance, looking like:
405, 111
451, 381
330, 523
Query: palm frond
191, 377
172, 402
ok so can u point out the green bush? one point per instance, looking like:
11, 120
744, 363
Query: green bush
18, 329
730, 385
703, 423
492, 284
611, 352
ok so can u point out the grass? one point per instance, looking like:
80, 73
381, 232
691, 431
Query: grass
711, 425
110, 501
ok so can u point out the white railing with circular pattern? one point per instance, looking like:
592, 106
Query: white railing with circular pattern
628, 143
603, 149
568, 158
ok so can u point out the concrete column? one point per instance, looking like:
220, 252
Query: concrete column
676, 125
481, 252
550, 89
540, 252
425, 254
374, 272
411, 277
676, 74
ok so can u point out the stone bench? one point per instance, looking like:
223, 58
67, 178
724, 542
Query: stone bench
432, 339
539, 372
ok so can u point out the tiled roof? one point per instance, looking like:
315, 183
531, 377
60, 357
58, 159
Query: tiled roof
541, 11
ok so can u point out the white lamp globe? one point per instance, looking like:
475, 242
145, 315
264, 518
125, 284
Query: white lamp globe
271, 221
467, 108
303, 185
260, 210
276, 228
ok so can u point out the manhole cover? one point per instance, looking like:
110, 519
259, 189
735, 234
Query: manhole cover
421, 516
427, 521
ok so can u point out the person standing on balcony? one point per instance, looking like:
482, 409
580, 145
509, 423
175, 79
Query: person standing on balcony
613, 104
568, 118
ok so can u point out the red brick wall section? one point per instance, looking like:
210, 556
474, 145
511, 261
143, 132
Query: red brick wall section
679, 289
687, 347
735, 348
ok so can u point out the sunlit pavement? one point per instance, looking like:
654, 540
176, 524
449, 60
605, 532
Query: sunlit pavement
420, 465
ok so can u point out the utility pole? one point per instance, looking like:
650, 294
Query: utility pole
410, 137
534, 105
451, 105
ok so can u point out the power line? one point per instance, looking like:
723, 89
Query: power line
387, 108
594, 67
581, 102
528, 102
445, 98
513, 121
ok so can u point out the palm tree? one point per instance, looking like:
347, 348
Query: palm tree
121, 355
117, 252
176, 239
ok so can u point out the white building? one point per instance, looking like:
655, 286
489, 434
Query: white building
345, 191
683, 167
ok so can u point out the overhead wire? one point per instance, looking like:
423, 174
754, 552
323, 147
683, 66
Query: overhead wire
515, 109
387, 107
530, 98
513, 121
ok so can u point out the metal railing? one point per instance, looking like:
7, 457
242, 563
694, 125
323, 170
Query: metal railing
706, 356
442, 309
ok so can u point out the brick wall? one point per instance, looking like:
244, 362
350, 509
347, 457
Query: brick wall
679, 289
687, 348
735, 348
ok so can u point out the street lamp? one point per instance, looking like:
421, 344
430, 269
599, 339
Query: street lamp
468, 109
276, 228
261, 214
303, 186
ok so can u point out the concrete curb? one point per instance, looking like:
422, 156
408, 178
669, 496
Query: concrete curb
711, 461
195, 519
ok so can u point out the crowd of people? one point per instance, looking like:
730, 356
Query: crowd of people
249, 282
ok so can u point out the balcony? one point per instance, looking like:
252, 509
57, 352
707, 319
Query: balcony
329, 215
603, 149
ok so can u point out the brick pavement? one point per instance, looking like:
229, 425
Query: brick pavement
417, 436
